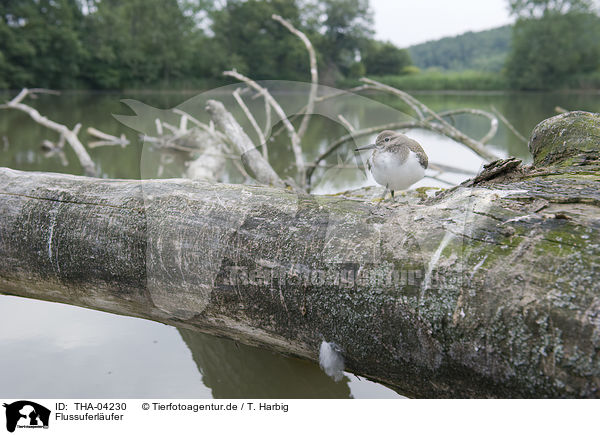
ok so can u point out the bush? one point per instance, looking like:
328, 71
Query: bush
382, 58
411, 69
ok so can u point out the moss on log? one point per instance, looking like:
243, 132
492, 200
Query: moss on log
571, 135
489, 289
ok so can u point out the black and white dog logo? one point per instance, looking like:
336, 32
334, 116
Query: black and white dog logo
26, 414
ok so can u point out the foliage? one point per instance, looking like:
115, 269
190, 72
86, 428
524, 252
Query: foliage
411, 69
339, 29
357, 70
257, 45
384, 58
113, 44
485, 51
39, 42
585, 80
539, 8
137, 41
548, 51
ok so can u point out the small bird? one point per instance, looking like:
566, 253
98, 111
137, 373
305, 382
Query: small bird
397, 161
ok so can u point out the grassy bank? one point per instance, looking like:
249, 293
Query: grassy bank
438, 81
469, 81
422, 81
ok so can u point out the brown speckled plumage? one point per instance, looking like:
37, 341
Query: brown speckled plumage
391, 164
391, 142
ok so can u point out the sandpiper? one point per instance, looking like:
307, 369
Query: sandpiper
397, 161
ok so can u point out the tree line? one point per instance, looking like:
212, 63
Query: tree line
552, 42
114, 44
482, 51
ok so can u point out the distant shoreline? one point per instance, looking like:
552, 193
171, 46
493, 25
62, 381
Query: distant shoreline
436, 82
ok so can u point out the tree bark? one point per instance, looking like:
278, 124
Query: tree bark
489, 289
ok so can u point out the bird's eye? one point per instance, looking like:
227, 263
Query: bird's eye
387, 139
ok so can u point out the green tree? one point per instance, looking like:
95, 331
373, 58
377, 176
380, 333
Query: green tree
384, 58
539, 8
486, 51
40, 43
340, 30
548, 49
112, 44
137, 42
257, 45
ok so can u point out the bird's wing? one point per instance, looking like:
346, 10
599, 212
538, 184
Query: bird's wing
416, 148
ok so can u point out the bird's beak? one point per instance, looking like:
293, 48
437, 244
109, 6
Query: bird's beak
366, 147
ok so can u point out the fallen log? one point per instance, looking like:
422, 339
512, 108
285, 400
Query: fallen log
489, 289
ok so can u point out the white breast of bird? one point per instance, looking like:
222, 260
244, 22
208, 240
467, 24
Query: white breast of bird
388, 171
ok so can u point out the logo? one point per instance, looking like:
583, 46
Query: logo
26, 414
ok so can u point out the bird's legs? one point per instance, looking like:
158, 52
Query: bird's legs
380, 200
384, 194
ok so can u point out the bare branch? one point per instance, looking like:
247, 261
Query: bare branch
252, 159
70, 135
509, 125
314, 73
221, 138
159, 127
172, 128
493, 120
444, 127
259, 133
208, 128
183, 123
295, 139
52, 149
320, 100
267, 116
559, 109
346, 123
408, 99
106, 139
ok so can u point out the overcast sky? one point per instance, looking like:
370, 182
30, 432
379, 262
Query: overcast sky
408, 22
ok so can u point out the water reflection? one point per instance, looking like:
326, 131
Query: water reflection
236, 371
50, 350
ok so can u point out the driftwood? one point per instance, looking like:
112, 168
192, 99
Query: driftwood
70, 135
294, 137
314, 72
188, 135
252, 159
489, 289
